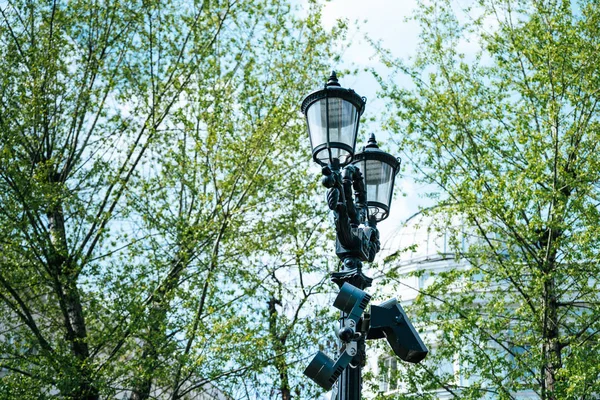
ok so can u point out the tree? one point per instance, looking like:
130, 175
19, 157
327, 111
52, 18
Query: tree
502, 121
144, 198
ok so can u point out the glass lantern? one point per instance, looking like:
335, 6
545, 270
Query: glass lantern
332, 115
379, 170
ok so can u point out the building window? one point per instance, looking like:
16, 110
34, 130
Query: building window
389, 374
426, 280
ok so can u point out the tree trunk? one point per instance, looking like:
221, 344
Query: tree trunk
551, 344
157, 320
156, 330
551, 348
67, 291
279, 348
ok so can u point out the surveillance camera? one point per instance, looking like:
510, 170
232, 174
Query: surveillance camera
352, 301
324, 371
389, 320
321, 370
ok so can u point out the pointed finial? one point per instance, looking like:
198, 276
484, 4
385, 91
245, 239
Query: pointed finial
372, 143
333, 81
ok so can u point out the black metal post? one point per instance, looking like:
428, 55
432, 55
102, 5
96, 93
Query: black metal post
349, 212
350, 382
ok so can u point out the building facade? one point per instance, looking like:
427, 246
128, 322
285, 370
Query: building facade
419, 250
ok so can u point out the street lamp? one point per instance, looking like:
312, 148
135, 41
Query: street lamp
379, 169
359, 193
333, 114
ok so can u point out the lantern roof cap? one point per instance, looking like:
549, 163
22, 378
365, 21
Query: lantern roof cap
372, 143
333, 81
333, 89
372, 152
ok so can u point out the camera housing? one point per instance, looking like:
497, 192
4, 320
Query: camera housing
324, 371
389, 320
352, 301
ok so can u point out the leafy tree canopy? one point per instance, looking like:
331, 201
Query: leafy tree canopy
501, 118
157, 232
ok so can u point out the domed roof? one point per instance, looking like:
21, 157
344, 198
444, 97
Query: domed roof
421, 238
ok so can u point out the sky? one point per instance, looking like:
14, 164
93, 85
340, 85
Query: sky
380, 20
384, 21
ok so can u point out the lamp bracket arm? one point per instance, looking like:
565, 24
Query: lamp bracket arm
372, 233
352, 228
343, 228
332, 180
333, 198
360, 195
339, 185
347, 183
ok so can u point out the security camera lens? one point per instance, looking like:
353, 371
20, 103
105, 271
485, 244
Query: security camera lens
346, 334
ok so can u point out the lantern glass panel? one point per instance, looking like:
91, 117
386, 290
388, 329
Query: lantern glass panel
379, 182
338, 118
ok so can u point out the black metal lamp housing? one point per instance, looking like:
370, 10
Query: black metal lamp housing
332, 115
379, 170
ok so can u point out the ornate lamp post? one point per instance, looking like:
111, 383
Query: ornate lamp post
332, 115
359, 193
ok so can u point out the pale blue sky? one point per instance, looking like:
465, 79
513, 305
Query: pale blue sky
381, 20
385, 21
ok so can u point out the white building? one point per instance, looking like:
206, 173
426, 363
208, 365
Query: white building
415, 252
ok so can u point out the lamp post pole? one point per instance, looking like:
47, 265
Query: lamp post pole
351, 252
350, 381
359, 195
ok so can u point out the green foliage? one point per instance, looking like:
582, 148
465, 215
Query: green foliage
502, 121
155, 196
